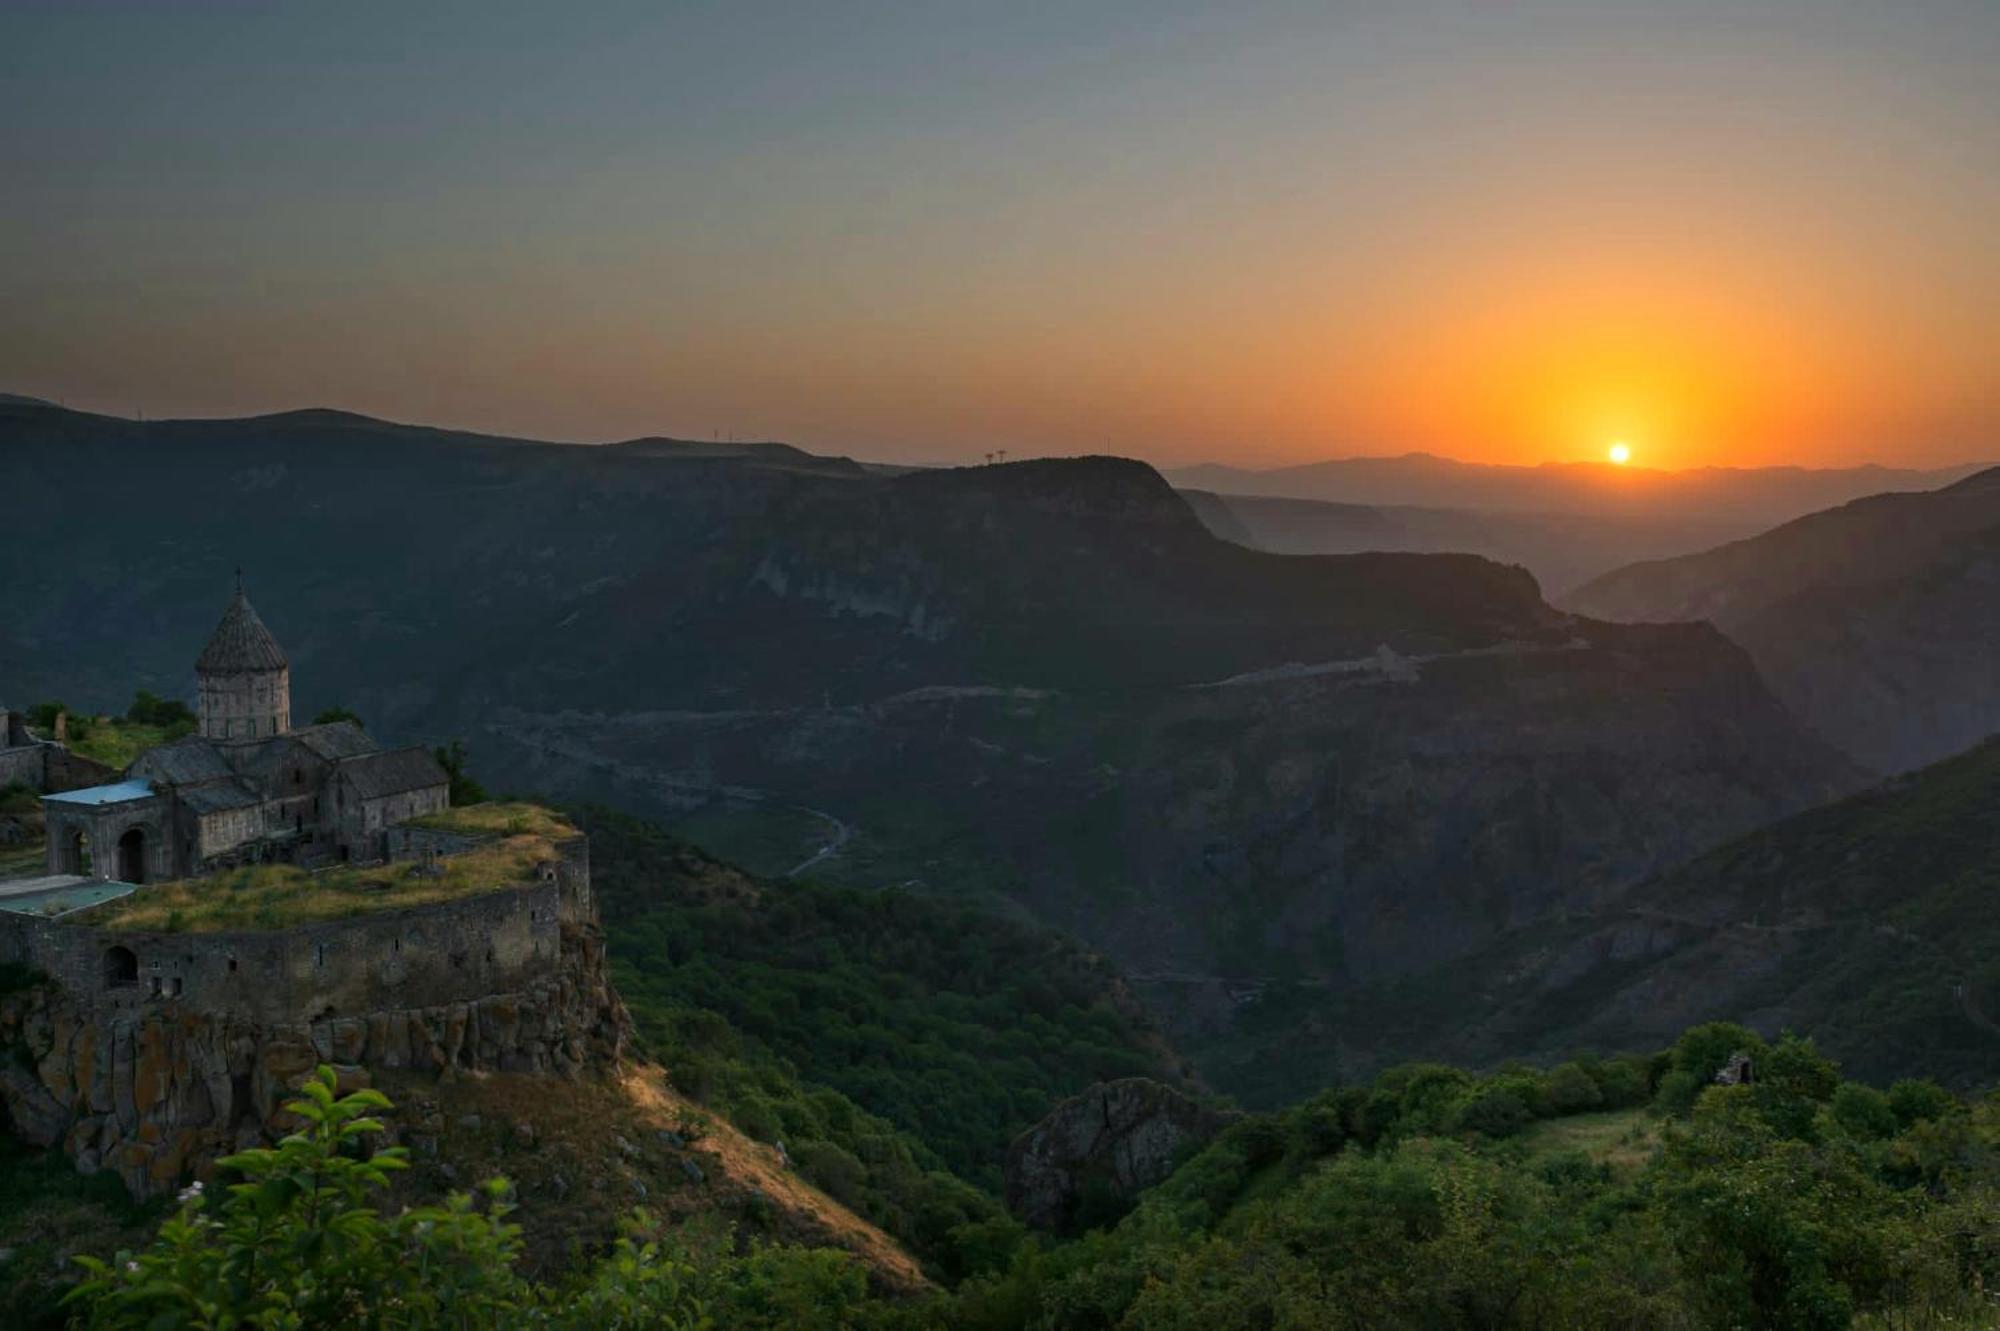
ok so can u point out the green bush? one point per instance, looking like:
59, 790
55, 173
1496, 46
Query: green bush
1572, 1090
301, 1242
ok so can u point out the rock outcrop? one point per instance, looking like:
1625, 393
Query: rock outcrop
1103, 1147
160, 1091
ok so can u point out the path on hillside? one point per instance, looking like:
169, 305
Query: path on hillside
841, 835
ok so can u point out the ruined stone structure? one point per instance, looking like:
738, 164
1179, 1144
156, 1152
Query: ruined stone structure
152, 1054
246, 787
42, 764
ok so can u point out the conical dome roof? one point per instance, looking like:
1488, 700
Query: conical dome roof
240, 643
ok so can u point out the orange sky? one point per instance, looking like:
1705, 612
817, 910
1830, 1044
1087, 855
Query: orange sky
1728, 233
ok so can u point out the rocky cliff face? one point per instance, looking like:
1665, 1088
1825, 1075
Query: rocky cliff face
157, 1092
1323, 825
1103, 1147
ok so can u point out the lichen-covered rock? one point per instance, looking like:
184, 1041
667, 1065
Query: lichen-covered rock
1115, 1140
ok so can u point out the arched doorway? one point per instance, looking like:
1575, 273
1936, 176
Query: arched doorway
121, 968
132, 857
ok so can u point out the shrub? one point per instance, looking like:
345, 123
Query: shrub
1915, 1101
1571, 1090
1863, 1112
1493, 1111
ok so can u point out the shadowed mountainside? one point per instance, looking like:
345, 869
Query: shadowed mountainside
1867, 924
1044, 682
1877, 622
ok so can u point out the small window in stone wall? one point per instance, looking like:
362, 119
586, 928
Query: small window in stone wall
319, 954
178, 984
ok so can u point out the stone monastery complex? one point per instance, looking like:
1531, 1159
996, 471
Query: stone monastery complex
246, 786
247, 903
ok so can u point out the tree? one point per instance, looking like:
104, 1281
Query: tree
149, 709
334, 714
464, 790
299, 1242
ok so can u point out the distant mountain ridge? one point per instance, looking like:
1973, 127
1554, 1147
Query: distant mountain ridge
1756, 496
1562, 550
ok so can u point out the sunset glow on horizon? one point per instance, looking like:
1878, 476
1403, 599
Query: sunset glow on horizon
1738, 234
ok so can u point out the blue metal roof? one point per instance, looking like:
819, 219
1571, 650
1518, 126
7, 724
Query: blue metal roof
114, 794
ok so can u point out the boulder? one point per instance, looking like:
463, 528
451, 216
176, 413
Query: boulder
1105, 1146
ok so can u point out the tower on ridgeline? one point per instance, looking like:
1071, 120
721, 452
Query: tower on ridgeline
243, 678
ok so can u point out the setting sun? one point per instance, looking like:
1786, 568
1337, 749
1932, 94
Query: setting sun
1620, 453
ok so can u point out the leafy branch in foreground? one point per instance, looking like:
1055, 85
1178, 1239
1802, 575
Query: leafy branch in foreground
300, 1242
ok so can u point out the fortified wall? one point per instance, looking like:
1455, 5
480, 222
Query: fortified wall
153, 1053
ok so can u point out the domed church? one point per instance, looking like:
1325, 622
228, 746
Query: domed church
245, 787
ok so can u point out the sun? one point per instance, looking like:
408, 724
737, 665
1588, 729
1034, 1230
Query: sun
1620, 453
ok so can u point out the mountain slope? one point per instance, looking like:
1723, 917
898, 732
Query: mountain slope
1877, 622
1871, 925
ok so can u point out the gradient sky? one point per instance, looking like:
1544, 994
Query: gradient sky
1260, 233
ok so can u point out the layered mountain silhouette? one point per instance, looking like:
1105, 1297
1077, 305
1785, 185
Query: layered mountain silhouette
1878, 622
1043, 681
1756, 497
1562, 550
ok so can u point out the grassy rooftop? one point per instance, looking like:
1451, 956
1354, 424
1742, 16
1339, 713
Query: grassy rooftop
500, 818
116, 742
279, 896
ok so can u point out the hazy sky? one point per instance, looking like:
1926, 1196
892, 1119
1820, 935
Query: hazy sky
1250, 232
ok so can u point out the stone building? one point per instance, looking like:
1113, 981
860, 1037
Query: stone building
242, 679
246, 786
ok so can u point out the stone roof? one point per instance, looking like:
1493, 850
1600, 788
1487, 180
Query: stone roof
240, 643
185, 762
336, 740
376, 775
217, 798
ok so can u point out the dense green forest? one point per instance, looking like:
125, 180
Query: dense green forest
1631, 1193
895, 1043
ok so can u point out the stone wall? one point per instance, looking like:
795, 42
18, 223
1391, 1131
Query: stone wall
415, 957
405, 842
250, 704
70, 771
154, 1053
225, 830
23, 767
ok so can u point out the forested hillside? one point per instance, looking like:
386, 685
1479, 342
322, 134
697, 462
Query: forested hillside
1634, 1194
884, 1037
